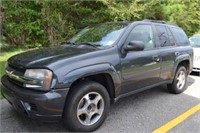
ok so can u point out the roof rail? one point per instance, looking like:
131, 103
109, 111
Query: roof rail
125, 21
155, 21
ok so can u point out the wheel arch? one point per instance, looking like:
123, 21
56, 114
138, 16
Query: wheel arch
105, 74
183, 62
102, 78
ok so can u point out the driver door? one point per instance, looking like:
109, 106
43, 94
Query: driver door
140, 69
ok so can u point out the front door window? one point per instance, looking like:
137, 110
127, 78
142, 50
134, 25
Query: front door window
142, 33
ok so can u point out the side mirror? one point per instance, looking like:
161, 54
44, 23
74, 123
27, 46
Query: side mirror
134, 46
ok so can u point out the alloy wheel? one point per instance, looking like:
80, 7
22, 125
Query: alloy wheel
90, 108
181, 79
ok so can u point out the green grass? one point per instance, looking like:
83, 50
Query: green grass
4, 55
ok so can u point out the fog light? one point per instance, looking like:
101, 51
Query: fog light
27, 106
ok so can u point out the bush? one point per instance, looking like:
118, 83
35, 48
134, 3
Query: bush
38, 23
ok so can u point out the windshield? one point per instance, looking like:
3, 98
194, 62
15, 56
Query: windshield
99, 35
195, 41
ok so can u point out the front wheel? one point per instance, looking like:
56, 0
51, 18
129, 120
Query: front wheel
87, 107
179, 83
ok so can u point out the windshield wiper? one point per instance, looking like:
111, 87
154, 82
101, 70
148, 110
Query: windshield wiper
71, 43
90, 44
83, 43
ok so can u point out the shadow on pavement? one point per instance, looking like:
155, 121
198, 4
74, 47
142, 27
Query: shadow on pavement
190, 81
195, 73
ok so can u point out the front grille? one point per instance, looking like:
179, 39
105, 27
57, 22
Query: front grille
196, 68
15, 81
16, 70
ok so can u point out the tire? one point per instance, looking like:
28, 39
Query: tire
86, 107
179, 83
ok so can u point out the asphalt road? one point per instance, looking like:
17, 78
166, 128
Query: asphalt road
143, 112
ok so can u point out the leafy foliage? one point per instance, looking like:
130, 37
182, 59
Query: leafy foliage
38, 23
185, 13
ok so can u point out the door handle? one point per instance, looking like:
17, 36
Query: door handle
177, 53
156, 58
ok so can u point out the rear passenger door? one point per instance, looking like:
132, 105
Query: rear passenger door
167, 51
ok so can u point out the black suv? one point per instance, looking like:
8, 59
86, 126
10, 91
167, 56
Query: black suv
77, 80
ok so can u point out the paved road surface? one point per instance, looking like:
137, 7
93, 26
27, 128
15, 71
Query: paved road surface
143, 112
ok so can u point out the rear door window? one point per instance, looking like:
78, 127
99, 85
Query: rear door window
162, 35
171, 37
180, 36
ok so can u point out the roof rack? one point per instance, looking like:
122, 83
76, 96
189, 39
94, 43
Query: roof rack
155, 21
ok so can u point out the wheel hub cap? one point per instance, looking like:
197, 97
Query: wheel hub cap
181, 80
90, 108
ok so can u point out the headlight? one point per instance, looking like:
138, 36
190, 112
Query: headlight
38, 78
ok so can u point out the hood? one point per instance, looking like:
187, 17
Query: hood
45, 56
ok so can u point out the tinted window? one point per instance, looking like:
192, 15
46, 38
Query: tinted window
171, 38
195, 41
180, 36
162, 35
102, 34
142, 33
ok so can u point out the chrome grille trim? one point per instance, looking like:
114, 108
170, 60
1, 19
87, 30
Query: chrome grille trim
22, 79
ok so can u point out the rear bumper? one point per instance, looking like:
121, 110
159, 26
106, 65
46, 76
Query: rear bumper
45, 106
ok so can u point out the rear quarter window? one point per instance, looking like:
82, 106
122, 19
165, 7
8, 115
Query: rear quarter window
180, 36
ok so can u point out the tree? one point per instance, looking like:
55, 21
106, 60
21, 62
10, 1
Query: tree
185, 13
38, 23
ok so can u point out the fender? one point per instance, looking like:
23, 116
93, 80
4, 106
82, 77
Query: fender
182, 57
85, 71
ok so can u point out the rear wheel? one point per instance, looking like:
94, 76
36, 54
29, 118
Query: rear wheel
179, 83
87, 107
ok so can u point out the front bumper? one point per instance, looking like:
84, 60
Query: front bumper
196, 66
45, 106
196, 69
